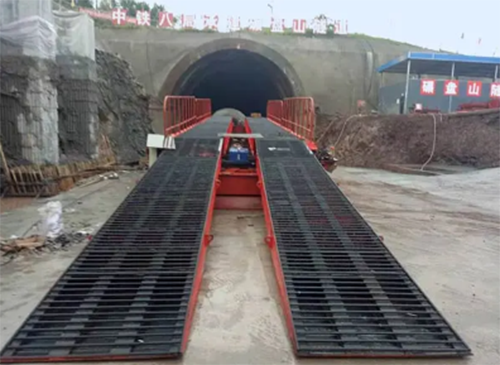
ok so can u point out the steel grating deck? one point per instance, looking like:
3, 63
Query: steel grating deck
347, 294
208, 129
126, 295
268, 129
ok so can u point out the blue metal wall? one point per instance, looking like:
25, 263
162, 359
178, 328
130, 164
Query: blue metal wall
389, 94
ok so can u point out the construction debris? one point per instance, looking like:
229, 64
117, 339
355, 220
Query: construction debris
376, 141
37, 244
50, 180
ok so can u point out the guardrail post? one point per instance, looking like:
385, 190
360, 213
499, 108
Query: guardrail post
183, 112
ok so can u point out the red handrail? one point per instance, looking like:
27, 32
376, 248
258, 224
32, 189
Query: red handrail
203, 108
299, 116
274, 109
178, 113
295, 115
181, 113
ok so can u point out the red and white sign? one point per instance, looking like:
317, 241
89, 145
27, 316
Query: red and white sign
474, 88
233, 24
319, 26
254, 25
188, 21
96, 14
277, 25
119, 16
495, 90
427, 87
143, 17
451, 87
299, 26
211, 23
165, 19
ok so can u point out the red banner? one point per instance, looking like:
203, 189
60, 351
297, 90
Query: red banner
212, 22
427, 87
495, 90
451, 87
474, 88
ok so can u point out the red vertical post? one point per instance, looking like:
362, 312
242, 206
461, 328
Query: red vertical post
181, 113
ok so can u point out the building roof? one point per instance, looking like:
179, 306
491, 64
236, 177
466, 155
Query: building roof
441, 64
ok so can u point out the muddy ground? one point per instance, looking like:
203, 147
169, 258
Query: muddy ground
444, 230
376, 141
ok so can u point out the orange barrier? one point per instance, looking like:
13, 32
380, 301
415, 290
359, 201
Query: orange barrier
296, 115
181, 113
275, 110
203, 108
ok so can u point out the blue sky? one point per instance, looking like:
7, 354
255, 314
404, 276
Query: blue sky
429, 23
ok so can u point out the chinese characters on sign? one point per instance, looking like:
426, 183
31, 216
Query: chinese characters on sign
188, 21
277, 25
212, 22
495, 90
254, 25
165, 19
451, 87
233, 24
299, 26
319, 26
474, 88
427, 87
119, 16
143, 17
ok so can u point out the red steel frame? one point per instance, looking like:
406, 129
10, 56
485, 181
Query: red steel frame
237, 189
233, 185
207, 238
181, 113
203, 108
295, 115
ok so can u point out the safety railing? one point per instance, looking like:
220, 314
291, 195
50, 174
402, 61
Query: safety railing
295, 115
203, 109
275, 110
179, 113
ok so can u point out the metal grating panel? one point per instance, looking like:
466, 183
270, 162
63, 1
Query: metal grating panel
268, 129
348, 295
283, 148
126, 295
209, 129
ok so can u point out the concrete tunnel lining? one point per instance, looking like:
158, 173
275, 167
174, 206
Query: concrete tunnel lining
234, 73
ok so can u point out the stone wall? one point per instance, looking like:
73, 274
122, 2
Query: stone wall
78, 95
78, 100
28, 109
48, 86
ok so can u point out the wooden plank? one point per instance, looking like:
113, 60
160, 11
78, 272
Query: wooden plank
5, 165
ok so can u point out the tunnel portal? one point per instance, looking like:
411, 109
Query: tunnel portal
234, 78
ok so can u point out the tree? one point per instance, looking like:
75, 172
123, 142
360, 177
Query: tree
78, 3
107, 5
155, 10
132, 6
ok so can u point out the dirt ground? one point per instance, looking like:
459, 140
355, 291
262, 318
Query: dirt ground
375, 141
444, 230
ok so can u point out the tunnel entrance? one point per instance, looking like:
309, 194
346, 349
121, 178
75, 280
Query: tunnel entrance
235, 78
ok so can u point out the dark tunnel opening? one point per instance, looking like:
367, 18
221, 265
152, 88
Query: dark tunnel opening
237, 79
